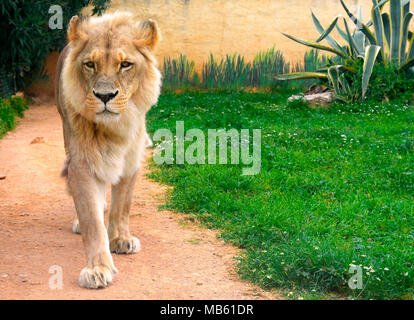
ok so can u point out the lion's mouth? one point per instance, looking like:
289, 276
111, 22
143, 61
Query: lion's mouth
106, 111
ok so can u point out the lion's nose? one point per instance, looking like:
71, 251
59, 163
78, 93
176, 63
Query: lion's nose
105, 97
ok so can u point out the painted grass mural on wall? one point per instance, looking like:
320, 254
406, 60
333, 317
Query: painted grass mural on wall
234, 72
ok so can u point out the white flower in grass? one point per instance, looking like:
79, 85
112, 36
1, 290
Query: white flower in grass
386, 269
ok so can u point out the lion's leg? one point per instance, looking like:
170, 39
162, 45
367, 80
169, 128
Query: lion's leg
88, 195
120, 240
76, 227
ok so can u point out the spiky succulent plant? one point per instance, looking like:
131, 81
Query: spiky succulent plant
384, 39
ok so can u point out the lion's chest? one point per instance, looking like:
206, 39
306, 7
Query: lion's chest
110, 153
118, 161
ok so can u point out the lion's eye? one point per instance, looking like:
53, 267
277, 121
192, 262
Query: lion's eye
89, 65
125, 64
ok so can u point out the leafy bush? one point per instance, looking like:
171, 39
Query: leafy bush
18, 105
388, 83
9, 110
27, 38
7, 118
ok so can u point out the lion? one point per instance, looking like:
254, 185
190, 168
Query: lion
107, 80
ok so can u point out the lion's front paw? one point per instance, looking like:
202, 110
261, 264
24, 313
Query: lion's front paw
127, 245
96, 278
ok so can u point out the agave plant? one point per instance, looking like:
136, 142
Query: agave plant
385, 38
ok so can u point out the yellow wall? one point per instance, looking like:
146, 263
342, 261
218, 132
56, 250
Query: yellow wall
198, 27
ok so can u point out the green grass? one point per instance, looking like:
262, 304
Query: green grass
10, 109
336, 188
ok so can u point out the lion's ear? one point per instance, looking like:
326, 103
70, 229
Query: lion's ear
74, 30
148, 34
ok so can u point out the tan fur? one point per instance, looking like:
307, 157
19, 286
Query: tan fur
103, 106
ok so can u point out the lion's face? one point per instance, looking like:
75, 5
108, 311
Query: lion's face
111, 61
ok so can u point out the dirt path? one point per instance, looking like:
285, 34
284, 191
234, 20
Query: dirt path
179, 260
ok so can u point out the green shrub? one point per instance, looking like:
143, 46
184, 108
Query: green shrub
389, 83
27, 39
18, 105
7, 117
9, 110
